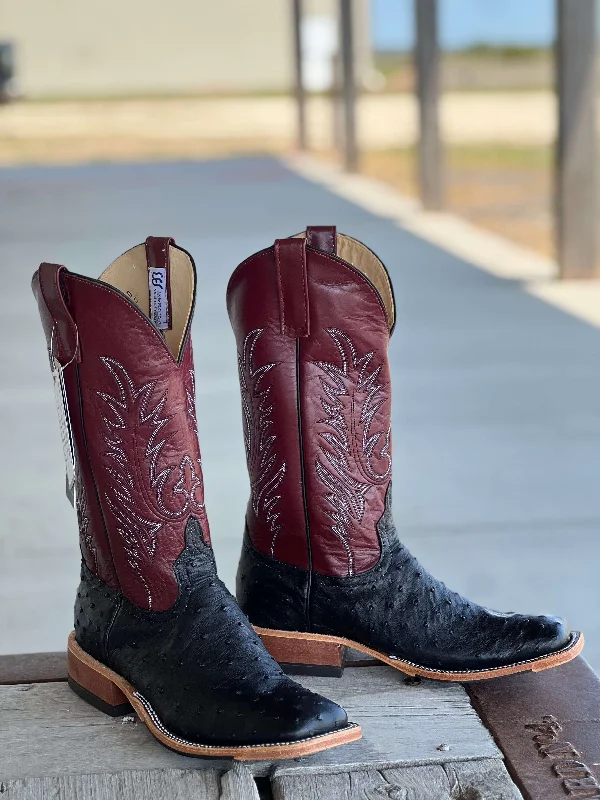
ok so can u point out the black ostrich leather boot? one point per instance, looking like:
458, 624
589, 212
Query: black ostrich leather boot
322, 566
155, 629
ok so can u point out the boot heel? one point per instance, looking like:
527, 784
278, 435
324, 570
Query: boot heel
305, 653
93, 684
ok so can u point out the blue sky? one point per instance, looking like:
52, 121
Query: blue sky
467, 22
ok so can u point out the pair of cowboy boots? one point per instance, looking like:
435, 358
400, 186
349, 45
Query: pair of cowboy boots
321, 566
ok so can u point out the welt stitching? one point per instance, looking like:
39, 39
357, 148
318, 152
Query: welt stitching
574, 640
165, 731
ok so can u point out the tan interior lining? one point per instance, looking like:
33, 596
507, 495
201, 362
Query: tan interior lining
129, 274
371, 267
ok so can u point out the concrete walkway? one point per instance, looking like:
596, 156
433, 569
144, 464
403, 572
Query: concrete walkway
496, 392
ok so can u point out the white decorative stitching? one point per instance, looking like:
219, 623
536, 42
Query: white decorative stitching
265, 469
130, 411
352, 396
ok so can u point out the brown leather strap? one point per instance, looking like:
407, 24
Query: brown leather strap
59, 325
158, 257
292, 286
322, 237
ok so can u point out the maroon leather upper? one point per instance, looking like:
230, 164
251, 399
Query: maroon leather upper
132, 408
316, 404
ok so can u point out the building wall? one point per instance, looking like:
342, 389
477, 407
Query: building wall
78, 48
120, 47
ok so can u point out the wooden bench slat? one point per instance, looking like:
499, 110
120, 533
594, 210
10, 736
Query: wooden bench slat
548, 727
402, 725
487, 779
238, 784
33, 668
174, 784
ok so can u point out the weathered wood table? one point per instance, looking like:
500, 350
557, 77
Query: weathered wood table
421, 741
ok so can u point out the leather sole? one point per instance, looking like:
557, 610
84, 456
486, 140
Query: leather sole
294, 649
112, 694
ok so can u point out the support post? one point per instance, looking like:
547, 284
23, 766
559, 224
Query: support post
427, 66
575, 156
348, 85
300, 91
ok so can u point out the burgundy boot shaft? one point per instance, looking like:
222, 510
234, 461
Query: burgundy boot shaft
131, 397
312, 333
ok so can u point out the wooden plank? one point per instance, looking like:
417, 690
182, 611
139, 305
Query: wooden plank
576, 143
33, 668
403, 725
348, 92
238, 784
48, 719
175, 784
548, 727
299, 89
427, 66
468, 780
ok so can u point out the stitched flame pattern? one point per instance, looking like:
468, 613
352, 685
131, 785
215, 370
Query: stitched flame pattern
144, 493
265, 468
353, 459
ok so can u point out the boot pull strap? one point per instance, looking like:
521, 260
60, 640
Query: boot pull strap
59, 326
322, 237
159, 280
292, 287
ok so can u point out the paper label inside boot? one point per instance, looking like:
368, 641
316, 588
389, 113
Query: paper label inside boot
159, 301
64, 422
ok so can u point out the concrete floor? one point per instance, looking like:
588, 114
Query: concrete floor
496, 394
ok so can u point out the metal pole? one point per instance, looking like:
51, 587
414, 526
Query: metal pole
427, 64
575, 155
348, 86
299, 75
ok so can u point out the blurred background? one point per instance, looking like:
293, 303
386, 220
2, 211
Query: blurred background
138, 81
229, 124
